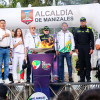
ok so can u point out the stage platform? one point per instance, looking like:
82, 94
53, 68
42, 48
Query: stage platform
23, 91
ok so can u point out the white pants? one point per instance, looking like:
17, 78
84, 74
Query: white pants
17, 58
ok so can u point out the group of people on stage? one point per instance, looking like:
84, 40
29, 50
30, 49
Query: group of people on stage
19, 47
65, 43
82, 42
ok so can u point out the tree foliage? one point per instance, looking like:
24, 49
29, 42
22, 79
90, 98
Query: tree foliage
24, 3
13, 4
72, 2
36, 3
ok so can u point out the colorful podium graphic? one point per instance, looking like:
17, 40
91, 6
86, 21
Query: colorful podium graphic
41, 68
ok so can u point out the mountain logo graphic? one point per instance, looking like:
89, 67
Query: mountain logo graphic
36, 64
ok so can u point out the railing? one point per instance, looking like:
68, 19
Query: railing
23, 91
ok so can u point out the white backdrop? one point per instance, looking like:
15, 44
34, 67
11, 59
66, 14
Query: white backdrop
46, 15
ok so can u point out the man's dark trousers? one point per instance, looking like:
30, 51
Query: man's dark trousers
28, 69
84, 59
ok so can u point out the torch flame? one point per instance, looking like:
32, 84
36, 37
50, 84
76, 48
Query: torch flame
45, 44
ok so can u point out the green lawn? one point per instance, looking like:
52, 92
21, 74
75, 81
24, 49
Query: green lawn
74, 59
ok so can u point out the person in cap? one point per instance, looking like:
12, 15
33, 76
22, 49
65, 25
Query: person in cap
3, 92
84, 45
46, 38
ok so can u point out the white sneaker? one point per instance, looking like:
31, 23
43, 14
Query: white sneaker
22, 81
15, 81
6, 81
1, 81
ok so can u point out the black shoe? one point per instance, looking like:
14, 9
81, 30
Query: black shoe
60, 80
71, 80
81, 81
28, 81
88, 80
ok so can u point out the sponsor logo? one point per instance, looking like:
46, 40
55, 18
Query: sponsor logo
27, 16
36, 64
45, 65
38, 96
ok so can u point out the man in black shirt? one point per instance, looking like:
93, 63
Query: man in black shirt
84, 45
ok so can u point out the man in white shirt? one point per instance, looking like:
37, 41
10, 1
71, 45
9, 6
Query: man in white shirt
32, 40
64, 48
5, 45
98, 47
97, 44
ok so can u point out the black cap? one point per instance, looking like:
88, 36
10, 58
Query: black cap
3, 91
46, 28
82, 19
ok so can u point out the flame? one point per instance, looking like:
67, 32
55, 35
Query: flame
45, 44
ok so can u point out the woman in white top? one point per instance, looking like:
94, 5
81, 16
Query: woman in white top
18, 55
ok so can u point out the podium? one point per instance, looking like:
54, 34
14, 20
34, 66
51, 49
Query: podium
41, 68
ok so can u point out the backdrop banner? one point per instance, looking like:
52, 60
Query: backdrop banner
52, 16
